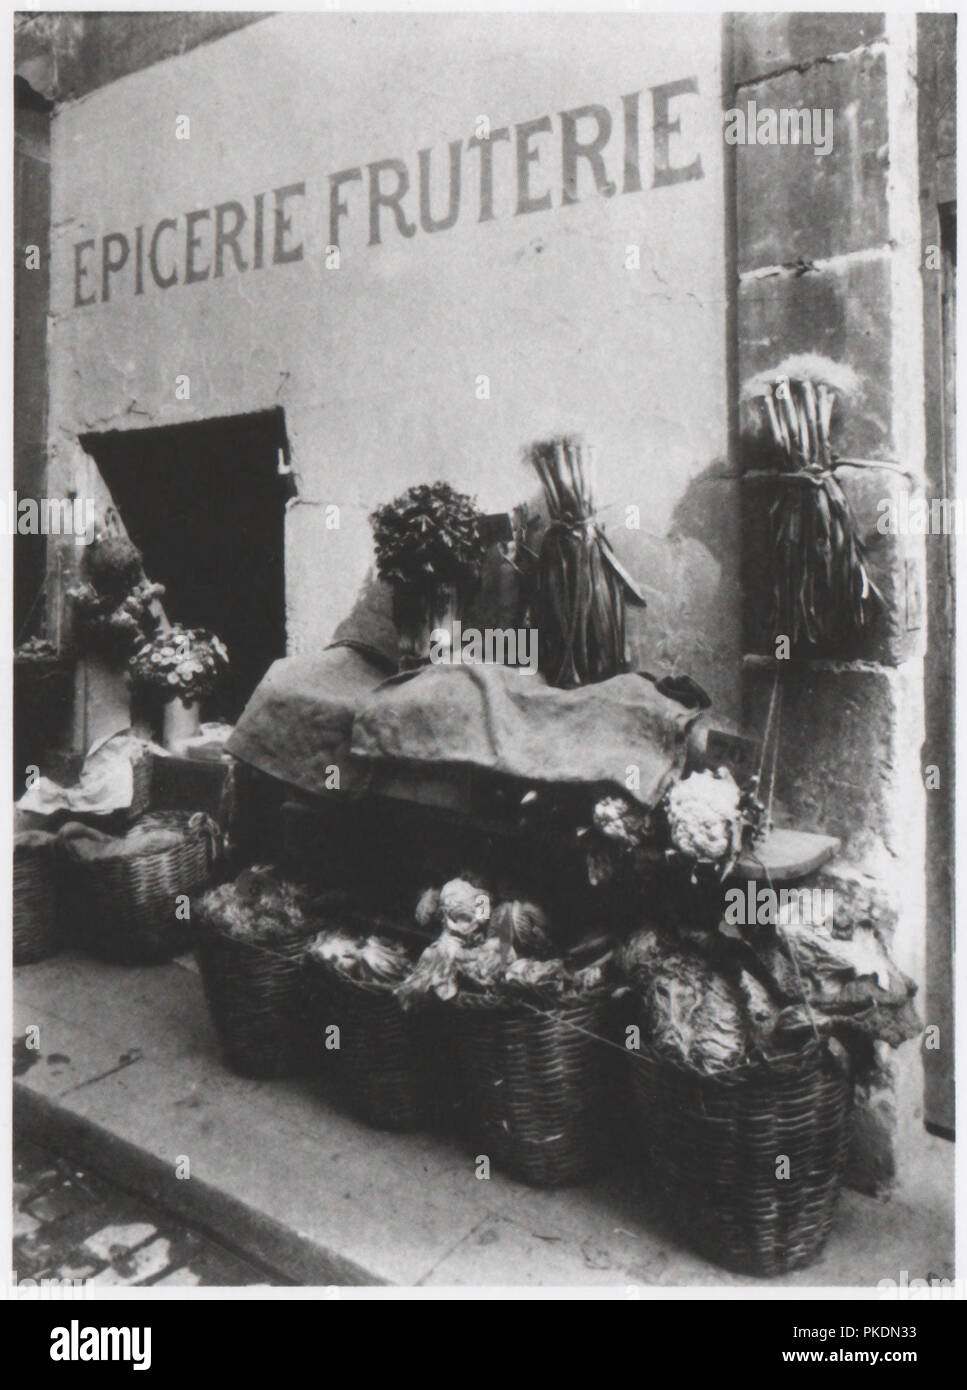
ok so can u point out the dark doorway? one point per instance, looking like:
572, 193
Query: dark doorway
205, 504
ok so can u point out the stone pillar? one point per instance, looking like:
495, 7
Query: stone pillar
828, 259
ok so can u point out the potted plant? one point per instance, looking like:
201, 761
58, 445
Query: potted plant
429, 547
185, 664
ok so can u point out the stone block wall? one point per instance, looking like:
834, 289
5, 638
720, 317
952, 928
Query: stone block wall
828, 259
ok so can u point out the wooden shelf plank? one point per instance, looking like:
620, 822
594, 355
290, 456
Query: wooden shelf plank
786, 855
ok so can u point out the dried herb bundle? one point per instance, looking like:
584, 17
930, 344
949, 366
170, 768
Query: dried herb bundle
581, 586
823, 592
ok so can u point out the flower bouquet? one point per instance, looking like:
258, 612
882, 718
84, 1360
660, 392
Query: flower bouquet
185, 664
430, 548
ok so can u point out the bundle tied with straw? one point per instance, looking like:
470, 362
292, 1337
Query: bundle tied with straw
582, 588
822, 592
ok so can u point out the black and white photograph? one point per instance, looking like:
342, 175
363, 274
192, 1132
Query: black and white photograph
483, 530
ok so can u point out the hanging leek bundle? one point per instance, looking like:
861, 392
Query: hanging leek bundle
581, 586
823, 592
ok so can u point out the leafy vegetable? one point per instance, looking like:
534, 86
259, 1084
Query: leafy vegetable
427, 537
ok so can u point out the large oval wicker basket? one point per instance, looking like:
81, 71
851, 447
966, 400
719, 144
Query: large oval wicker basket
750, 1162
254, 992
530, 1078
35, 878
380, 1069
126, 909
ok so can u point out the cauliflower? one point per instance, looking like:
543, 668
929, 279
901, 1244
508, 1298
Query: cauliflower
463, 907
704, 816
458, 906
617, 819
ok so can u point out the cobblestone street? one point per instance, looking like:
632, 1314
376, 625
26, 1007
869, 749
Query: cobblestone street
73, 1225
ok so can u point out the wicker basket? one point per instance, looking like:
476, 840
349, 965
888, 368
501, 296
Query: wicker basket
123, 909
380, 1070
531, 1080
254, 992
35, 925
714, 1145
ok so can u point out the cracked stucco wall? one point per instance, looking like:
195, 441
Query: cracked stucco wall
376, 364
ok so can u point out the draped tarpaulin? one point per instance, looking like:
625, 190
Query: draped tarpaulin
500, 719
343, 707
336, 709
298, 724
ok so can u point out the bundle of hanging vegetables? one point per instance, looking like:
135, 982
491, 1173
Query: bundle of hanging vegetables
582, 588
823, 592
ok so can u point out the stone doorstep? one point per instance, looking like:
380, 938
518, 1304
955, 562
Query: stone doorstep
284, 1179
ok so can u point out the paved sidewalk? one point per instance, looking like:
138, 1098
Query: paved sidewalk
72, 1225
127, 1080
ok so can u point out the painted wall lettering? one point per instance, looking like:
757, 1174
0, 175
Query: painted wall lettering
528, 168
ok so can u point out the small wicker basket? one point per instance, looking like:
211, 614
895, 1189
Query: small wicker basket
750, 1161
379, 1072
35, 875
531, 1081
124, 908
